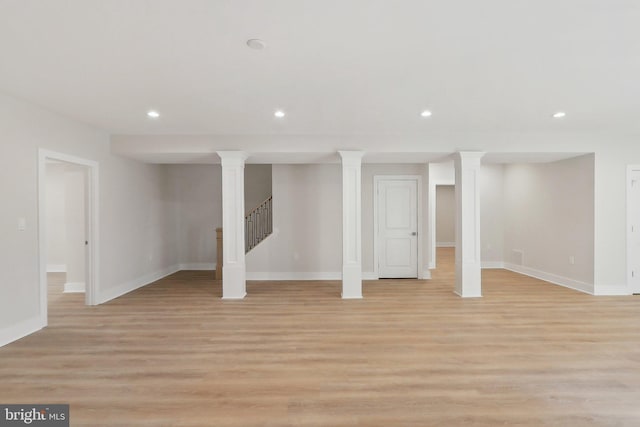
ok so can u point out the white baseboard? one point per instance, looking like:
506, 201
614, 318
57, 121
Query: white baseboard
56, 268
20, 330
445, 244
303, 276
612, 290
426, 274
132, 285
492, 264
552, 278
198, 266
74, 287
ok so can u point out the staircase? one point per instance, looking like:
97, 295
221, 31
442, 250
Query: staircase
258, 225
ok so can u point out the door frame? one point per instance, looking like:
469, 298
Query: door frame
629, 263
91, 226
376, 182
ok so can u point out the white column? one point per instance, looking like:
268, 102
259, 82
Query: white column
233, 259
351, 224
468, 263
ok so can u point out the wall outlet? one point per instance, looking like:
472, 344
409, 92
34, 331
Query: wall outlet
22, 224
572, 260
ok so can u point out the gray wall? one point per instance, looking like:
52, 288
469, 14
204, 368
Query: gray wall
257, 185
196, 196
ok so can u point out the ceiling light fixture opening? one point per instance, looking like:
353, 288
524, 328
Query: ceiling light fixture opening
559, 115
256, 44
279, 114
153, 114
426, 113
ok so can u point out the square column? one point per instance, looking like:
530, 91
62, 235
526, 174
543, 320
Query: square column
351, 224
233, 254
468, 262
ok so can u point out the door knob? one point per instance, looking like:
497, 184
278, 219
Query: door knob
414, 233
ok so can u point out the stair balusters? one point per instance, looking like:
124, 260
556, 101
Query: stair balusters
258, 224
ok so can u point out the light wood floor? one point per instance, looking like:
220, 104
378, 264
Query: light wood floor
411, 353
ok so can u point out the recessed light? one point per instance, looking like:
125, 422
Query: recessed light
279, 114
559, 115
426, 113
256, 44
153, 114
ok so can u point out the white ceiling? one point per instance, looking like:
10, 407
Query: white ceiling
337, 67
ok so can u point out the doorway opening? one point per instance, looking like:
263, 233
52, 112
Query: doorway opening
68, 232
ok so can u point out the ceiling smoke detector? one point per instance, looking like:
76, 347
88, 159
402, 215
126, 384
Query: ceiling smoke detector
256, 44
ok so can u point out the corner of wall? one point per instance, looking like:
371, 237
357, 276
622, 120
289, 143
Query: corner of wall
132, 285
20, 330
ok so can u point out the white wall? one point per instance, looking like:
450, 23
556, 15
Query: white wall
492, 214
257, 185
613, 152
445, 215
74, 208
137, 241
196, 194
437, 174
491, 207
369, 171
307, 203
307, 222
56, 222
549, 216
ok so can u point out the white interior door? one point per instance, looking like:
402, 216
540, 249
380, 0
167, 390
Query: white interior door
397, 228
633, 246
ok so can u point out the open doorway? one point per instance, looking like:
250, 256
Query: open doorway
445, 216
67, 188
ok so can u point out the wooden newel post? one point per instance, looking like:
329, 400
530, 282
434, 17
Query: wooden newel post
219, 253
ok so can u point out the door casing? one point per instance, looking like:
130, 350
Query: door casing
376, 182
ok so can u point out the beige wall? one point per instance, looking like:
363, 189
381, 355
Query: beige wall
196, 197
135, 226
74, 209
56, 221
445, 215
549, 216
307, 222
492, 214
369, 171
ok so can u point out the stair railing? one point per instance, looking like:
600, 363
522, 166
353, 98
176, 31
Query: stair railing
258, 224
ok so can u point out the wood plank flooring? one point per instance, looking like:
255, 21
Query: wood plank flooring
411, 353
